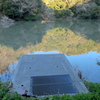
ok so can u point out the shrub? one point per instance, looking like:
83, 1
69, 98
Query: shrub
65, 97
3, 89
93, 87
56, 97
29, 17
95, 13
63, 13
85, 16
88, 96
14, 10
97, 2
14, 96
62, 4
9, 9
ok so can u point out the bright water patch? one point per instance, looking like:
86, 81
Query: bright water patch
87, 63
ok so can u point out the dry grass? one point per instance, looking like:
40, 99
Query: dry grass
9, 55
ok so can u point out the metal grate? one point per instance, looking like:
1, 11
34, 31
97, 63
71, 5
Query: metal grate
50, 85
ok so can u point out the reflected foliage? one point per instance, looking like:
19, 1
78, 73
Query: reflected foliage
22, 34
89, 28
69, 37
66, 41
9, 55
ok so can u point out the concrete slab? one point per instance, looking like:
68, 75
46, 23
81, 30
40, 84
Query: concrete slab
43, 65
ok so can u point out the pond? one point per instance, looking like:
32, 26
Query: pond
79, 40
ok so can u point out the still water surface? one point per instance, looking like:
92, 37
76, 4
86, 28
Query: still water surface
79, 40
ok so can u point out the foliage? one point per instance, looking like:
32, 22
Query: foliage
61, 4
66, 41
14, 96
86, 11
9, 9
63, 13
93, 87
29, 17
88, 96
97, 2
95, 13
24, 10
20, 10
85, 16
3, 89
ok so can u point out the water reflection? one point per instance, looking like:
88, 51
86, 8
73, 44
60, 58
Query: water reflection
73, 38
89, 28
22, 34
8, 74
66, 41
86, 63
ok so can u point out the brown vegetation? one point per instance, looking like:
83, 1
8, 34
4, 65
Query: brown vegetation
9, 55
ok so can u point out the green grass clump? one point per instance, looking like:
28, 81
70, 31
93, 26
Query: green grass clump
3, 89
93, 87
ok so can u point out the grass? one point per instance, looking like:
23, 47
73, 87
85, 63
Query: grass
94, 94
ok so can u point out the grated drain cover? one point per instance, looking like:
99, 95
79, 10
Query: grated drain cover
50, 85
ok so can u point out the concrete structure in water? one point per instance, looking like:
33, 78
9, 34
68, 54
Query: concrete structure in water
46, 74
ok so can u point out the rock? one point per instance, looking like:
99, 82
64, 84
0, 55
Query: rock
6, 22
5, 19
